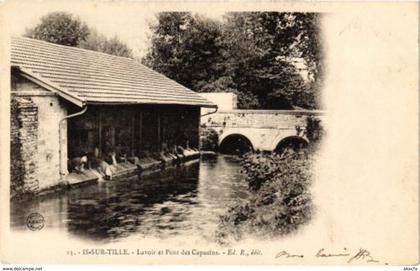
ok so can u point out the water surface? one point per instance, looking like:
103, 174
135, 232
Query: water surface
184, 201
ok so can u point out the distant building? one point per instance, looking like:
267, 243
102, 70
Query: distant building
225, 101
68, 102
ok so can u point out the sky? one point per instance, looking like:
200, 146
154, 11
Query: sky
129, 20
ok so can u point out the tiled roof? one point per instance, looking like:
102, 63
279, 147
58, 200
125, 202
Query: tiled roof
89, 77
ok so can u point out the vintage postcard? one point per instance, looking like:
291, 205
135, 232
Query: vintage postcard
230, 132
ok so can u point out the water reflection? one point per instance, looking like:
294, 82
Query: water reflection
182, 201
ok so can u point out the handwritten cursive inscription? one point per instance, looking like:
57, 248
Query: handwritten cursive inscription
286, 254
322, 253
363, 254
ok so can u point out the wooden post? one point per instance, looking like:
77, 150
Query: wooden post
158, 131
133, 131
100, 132
140, 130
198, 116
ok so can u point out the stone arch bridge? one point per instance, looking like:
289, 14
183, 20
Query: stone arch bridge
264, 130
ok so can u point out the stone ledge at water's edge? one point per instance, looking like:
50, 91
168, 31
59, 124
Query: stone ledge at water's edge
135, 166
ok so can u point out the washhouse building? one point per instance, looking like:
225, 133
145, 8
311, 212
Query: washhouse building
71, 104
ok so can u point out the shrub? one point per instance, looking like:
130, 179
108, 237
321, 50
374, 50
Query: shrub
279, 202
314, 130
209, 139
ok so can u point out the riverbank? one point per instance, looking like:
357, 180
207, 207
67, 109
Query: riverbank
132, 167
279, 202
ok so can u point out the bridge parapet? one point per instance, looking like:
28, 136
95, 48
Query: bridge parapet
263, 129
277, 119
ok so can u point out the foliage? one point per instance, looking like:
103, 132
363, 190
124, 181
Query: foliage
61, 28
185, 48
279, 202
265, 46
226, 84
314, 130
66, 29
253, 54
112, 46
209, 139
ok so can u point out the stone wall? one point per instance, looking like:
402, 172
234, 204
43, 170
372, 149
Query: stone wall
50, 112
23, 149
35, 151
256, 119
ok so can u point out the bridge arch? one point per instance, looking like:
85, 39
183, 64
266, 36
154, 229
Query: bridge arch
235, 143
293, 143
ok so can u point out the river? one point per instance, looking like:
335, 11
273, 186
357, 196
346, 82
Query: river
185, 201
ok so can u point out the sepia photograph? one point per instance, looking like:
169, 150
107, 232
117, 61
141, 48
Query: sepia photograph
146, 133
147, 153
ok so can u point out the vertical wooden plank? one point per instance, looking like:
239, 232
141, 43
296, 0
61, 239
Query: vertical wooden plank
133, 131
198, 116
158, 131
100, 132
140, 139
163, 129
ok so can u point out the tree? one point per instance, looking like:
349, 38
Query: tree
252, 54
66, 29
226, 84
263, 47
100, 43
185, 48
61, 28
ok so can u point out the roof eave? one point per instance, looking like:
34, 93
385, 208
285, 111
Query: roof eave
50, 86
80, 102
148, 103
209, 106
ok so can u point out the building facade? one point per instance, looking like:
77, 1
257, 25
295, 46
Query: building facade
68, 103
